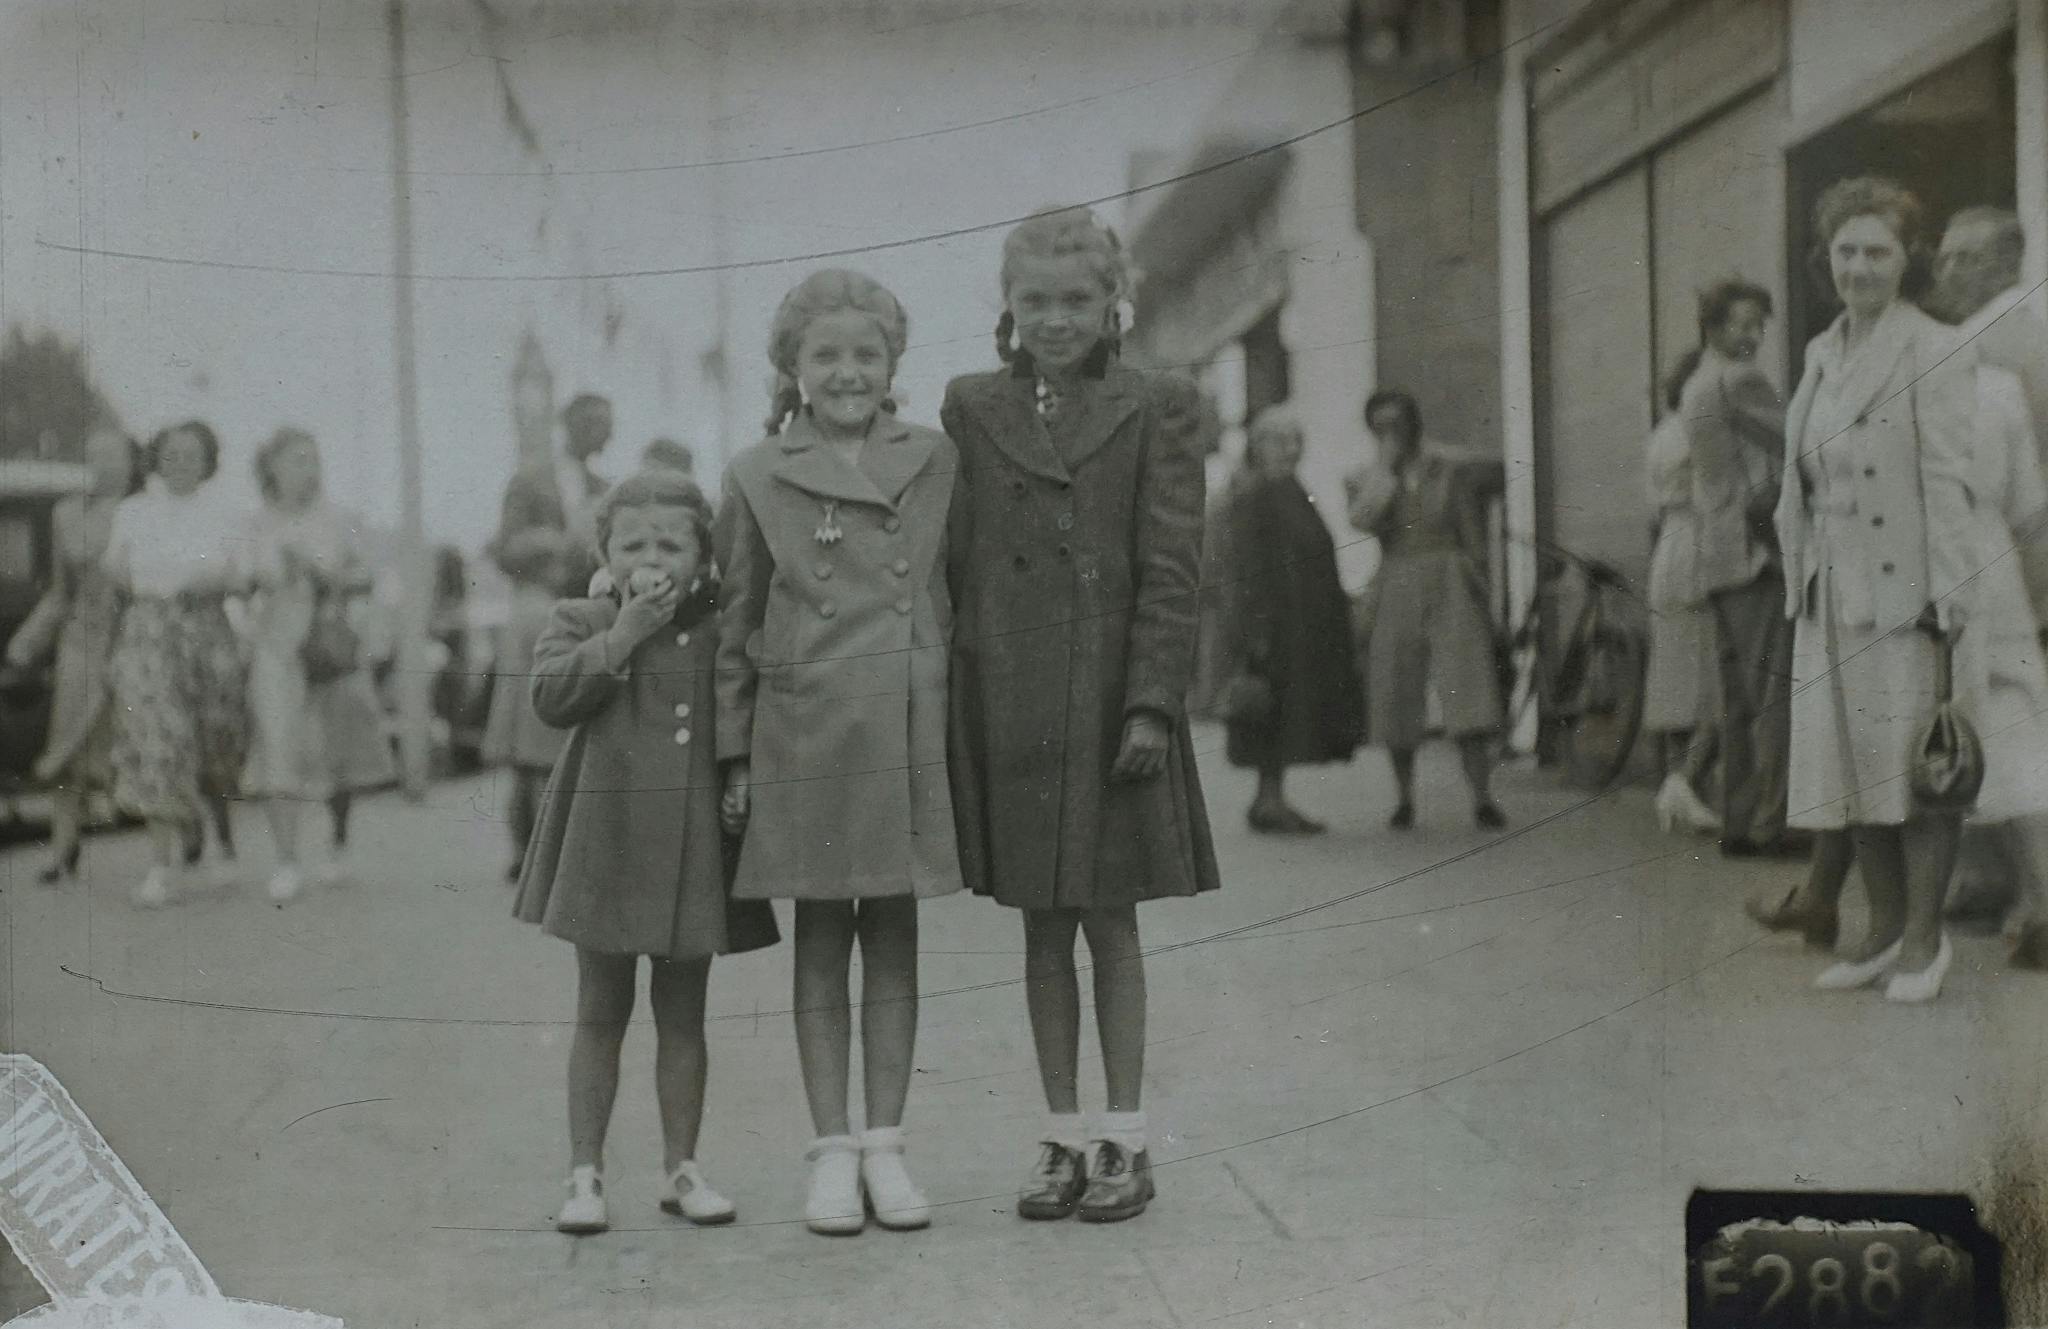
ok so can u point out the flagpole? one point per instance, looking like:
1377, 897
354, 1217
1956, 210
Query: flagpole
411, 676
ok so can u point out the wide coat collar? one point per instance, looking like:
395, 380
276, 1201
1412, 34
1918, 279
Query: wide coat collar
1007, 405
895, 454
1861, 379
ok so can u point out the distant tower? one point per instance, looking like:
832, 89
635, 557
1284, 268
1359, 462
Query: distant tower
533, 401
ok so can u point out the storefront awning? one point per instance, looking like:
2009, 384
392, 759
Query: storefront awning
1223, 185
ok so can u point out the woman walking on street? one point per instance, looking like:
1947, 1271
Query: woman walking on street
1294, 678
318, 734
75, 620
180, 726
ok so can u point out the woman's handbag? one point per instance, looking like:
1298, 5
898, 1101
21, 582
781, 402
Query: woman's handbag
1946, 767
1249, 700
332, 648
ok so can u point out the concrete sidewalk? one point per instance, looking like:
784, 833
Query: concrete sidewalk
1445, 1078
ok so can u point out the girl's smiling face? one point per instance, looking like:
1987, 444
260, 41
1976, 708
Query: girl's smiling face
842, 365
1061, 308
660, 538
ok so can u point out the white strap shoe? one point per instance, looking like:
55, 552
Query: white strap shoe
1859, 973
583, 1212
897, 1202
286, 883
690, 1196
834, 1207
1925, 985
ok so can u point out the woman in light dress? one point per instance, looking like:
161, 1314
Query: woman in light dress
319, 733
1681, 696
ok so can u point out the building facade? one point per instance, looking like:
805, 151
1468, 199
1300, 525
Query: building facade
1650, 147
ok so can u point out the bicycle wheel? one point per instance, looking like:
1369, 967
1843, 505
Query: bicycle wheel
1596, 725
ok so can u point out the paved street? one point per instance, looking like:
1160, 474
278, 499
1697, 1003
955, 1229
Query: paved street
1422, 1081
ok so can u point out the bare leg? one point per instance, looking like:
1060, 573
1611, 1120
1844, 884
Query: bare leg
888, 1005
1403, 760
525, 810
1880, 851
223, 823
337, 811
604, 1005
1052, 995
283, 815
1271, 797
680, 1058
67, 823
1475, 754
1930, 845
824, 1023
1119, 1001
167, 839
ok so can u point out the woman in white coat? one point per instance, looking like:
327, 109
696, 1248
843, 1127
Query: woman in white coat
1874, 518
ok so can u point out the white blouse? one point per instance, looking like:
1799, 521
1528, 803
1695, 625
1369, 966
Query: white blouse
162, 544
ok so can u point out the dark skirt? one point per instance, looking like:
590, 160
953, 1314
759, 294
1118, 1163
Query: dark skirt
1291, 625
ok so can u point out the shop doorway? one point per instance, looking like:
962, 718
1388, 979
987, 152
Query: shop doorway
1950, 138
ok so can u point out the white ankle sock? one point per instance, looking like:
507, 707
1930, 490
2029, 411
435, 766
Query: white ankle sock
1124, 1129
1068, 1129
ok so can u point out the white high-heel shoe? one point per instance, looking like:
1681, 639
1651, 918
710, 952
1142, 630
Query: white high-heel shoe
1926, 984
893, 1197
1681, 809
583, 1213
1847, 974
690, 1196
834, 1207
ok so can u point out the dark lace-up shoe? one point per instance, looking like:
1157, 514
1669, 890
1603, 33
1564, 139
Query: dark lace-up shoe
1056, 1183
1119, 1183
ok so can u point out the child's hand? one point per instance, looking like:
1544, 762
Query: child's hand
1143, 754
738, 800
642, 615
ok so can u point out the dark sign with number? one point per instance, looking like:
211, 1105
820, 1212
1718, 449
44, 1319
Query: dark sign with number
1808, 1262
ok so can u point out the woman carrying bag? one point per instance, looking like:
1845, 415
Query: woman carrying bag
1874, 518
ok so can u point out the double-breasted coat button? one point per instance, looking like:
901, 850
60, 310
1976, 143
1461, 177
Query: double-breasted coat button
682, 710
901, 567
1870, 472
1066, 521
823, 571
1877, 521
1889, 568
892, 525
903, 606
682, 736
1017, 485
1021, 562
1065, 552
827, 609
682, 639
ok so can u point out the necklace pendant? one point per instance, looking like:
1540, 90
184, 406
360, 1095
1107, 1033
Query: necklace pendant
828, 532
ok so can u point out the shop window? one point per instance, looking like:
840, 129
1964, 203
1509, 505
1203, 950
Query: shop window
1950, 138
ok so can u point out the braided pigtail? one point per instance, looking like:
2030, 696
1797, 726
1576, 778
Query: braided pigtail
786, 401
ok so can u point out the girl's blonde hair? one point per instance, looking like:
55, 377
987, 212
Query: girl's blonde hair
831, 291
1056, 233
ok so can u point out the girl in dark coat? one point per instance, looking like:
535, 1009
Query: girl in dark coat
628, 857
1075, 548
1289, 627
